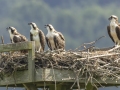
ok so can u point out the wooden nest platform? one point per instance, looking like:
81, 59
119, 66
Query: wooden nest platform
89, 65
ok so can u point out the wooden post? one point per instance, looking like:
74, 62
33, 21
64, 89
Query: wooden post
31, 63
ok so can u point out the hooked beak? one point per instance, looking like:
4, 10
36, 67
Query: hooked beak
7, 28
109, 18
46, 26
29, 23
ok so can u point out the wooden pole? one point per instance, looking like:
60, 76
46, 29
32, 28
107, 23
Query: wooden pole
31, 63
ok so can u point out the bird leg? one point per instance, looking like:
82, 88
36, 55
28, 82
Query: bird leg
38, 49
114, 48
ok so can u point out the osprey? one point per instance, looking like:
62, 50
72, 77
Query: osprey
55, 40
38, 36
15, 37
114, 29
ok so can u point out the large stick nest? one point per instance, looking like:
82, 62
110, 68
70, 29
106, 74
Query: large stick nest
88, 63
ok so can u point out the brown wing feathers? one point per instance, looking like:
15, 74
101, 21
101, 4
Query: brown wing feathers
48, 43
19, 38
108, 29
31, 36
118, 32
42, 40
59, 41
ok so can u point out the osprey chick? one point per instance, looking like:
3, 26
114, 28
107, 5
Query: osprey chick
38, 36
15, 37
55, 40
114, 29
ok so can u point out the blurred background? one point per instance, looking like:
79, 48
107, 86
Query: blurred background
80, 21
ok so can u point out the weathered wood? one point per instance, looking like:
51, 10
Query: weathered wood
16, 46
31, 63
42, 75
20, 77
30, 86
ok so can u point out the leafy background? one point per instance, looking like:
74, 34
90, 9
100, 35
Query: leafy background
80, 21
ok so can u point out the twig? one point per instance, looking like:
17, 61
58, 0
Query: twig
2, 39
100, 56
116, 47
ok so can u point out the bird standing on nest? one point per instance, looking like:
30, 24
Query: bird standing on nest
16, 37
55, 40
114, 29
38, 36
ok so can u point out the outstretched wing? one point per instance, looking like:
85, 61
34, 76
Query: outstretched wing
42, 40
108, 29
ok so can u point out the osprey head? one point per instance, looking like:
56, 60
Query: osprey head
49, 27
113, 17
33, 25
11, 29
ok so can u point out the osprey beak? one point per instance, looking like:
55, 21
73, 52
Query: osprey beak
7, 28
29, 23
46, 25
109, 18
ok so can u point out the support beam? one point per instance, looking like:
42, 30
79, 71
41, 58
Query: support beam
31, 63
30, 86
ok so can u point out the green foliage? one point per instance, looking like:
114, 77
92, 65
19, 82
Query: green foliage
80, 21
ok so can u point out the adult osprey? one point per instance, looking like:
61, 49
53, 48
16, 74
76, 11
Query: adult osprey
114, 29
38, 36
55, 40
15, 37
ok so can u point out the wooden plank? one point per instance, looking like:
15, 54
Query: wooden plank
30, 86
41, 75
64, 76
16, 46
60, 75
31, 63
19, 77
